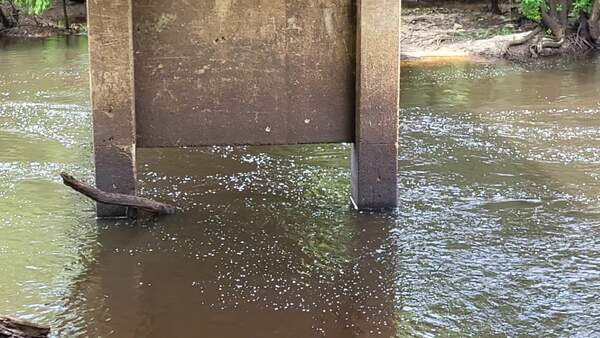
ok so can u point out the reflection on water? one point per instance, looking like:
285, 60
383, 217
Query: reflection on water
43, 129
497, 232
500, 208
255, 253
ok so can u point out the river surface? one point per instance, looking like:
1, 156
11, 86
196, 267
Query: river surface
497, 232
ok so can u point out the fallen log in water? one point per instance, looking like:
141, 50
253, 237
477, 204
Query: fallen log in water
118, 199
17, 328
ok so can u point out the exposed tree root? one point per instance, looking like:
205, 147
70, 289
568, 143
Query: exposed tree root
582, 44
544, 45
547, 42
516, 42
562, 37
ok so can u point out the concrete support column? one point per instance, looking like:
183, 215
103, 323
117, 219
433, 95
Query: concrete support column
374, 157
113, 98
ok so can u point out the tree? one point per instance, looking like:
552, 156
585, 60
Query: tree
34, 7
495, 7
66, 16
4, 20
563, 19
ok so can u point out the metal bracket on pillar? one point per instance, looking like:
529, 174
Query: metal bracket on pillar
113, 98
375, 152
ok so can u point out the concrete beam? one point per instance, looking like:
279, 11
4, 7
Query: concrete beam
374, 157
113, 98
244, 72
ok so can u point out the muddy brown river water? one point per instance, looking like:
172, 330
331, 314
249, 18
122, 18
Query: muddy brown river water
497, 232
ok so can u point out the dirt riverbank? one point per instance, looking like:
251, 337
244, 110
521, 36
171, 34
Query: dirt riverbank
51, 23
456, 29
429, 29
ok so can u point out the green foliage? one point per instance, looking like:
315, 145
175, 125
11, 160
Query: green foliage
34, 7
583, 6
531, 10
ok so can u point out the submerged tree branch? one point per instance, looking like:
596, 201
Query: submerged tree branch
118, 199
16, 328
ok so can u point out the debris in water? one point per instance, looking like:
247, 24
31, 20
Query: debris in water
118, 199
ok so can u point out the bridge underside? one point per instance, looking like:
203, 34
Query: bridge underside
226, 72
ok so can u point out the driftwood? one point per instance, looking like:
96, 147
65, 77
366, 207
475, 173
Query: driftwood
118, 199
17, 328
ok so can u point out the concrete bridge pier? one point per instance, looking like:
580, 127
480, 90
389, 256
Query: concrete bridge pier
246, 72
113, 98
375, 153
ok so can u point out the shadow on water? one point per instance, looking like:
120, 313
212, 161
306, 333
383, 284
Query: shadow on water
262, 258
496, 234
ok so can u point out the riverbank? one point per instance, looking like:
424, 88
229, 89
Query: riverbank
459, 30
50, 23
449, 29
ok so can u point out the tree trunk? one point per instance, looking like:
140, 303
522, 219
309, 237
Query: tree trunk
4, 20
555, 18
15, 13
594, 22
551, 20
564, 14
66, 15
495, 7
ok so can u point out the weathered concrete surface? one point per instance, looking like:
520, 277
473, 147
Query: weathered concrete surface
374, 157
113, 97
244, 72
